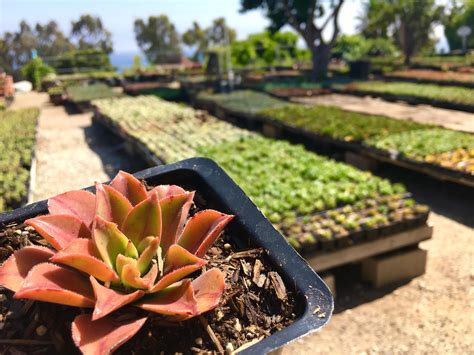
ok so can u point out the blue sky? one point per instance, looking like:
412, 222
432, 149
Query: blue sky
118, 15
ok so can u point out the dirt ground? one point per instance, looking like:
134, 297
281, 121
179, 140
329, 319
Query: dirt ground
457, 120
432, 314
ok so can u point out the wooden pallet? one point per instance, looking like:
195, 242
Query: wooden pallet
368, 249
384, 261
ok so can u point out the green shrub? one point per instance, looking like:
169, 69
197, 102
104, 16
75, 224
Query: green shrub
17, 140
35, 70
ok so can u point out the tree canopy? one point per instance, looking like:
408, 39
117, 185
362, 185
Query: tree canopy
302, 16
217, 35
89, 33
408, 22
266, 48
158, 39
460, 14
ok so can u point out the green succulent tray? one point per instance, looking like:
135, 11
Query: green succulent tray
288, 183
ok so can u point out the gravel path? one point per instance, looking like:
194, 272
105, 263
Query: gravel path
71, 153
461, 121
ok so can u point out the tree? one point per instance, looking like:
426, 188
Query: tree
6, 59
218, 34
50, 40
408, 22
158, 39
196, 36
376, 19
16, 47
356, 47
265, 48
460, 14
21, 44
89, 33
301, 15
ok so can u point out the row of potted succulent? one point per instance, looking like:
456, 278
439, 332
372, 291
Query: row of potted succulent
365, 220
420, 142
17, 141
286, 181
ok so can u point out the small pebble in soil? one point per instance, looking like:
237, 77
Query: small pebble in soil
41, 330
227, 246
229, 348
198, 341
237, 326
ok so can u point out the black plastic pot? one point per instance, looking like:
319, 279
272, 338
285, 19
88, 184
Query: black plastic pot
249, 229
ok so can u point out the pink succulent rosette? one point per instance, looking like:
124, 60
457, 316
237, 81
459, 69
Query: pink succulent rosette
123, 245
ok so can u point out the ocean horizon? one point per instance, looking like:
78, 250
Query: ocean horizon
122, 60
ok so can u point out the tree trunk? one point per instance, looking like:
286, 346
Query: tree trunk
321, 56
407, 59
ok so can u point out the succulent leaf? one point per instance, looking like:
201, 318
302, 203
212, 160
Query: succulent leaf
178, 257
131, 251
202, 230
131, 277
144, 244
59, 230
165, 191
110, 242
130, 187
52, 283
123, 260
111, 205
208, 289
15, 269
179, 263
147, 255
83, 255
143, 220
173, 277
103, 336
109, 300
79, 203
174, 300
174, 210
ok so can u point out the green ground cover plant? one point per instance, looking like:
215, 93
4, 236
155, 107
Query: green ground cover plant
246, 101
286, 180
339, 124
85, 93
420, 143
17, 140
452, 94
